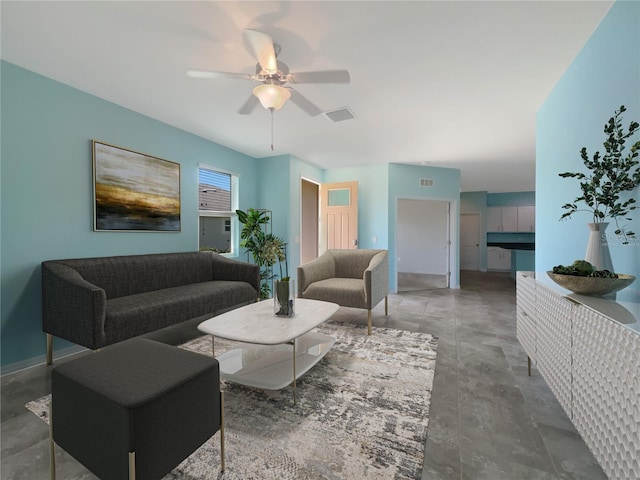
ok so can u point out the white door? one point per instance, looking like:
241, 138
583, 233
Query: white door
470, 241
339, 215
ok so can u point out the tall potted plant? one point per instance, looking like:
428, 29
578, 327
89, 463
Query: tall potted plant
265, 248
605, 189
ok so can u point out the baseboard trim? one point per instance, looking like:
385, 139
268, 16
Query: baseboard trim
40, 360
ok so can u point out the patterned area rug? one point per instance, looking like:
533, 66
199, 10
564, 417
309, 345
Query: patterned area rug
362, 413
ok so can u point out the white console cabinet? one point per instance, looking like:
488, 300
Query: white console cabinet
588, 351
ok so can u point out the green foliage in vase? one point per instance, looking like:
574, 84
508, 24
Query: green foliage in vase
610, 177
266, 249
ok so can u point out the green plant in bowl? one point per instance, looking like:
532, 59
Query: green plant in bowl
580, 277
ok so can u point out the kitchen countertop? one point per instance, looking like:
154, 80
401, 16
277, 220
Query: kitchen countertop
513, 245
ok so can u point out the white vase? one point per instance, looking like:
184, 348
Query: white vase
598, 248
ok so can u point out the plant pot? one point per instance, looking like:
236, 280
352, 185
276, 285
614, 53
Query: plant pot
284, 294
598, 248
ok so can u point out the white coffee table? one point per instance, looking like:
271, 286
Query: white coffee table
275, 351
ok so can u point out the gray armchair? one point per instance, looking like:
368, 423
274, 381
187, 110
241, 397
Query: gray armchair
350, 278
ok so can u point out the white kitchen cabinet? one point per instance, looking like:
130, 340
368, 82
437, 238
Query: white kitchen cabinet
498, 259
527, 218
587, 349
494, 219
502, 219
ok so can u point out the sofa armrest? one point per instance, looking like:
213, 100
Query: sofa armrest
228, 269
321, 268
376, 279
72, 308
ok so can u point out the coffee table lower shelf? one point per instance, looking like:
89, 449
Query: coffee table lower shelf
272, 367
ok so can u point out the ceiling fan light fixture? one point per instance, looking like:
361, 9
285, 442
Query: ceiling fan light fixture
272, 96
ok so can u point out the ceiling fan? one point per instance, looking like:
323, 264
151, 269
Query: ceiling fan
274, 76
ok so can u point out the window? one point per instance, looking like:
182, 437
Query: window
217, 203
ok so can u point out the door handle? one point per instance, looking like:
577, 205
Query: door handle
355, 242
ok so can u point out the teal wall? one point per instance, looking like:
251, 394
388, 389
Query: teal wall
274, 192
404, 183
511, 199
46, 192
604, 75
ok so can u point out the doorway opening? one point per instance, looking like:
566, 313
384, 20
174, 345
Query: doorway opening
310, 217
423, 244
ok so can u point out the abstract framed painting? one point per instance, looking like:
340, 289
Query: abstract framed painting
134, 191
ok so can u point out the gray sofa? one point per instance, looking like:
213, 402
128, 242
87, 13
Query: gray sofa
350, 278
95, 302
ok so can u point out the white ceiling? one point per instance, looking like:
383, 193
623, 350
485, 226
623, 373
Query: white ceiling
451, 84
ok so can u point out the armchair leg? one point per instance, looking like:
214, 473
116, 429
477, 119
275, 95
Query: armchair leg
49, 349
369, 322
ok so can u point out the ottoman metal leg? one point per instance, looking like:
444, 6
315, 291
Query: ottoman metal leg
222, 431
52, 446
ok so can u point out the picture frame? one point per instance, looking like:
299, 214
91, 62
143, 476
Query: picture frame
133, 191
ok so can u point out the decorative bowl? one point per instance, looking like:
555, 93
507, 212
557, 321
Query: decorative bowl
593, 286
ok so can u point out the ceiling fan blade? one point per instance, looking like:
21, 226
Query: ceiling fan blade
304, 103
262, 46
328, 76
210, 74
248, 107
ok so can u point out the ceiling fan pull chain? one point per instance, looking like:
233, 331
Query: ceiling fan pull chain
271, 110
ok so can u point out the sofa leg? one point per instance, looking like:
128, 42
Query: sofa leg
132, 465
49, 349
369, 322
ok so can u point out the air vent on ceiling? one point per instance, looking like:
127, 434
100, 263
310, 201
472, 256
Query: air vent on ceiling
426, 182
340, 115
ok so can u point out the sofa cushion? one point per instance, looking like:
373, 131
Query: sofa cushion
347, 292
135, 315
132, 274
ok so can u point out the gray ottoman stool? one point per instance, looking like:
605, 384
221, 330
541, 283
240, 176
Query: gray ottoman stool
136, 409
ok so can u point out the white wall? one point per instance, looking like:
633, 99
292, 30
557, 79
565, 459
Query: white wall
422, 235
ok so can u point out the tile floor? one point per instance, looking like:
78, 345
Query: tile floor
489, 420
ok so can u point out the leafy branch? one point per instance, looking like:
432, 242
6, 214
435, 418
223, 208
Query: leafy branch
610, 175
